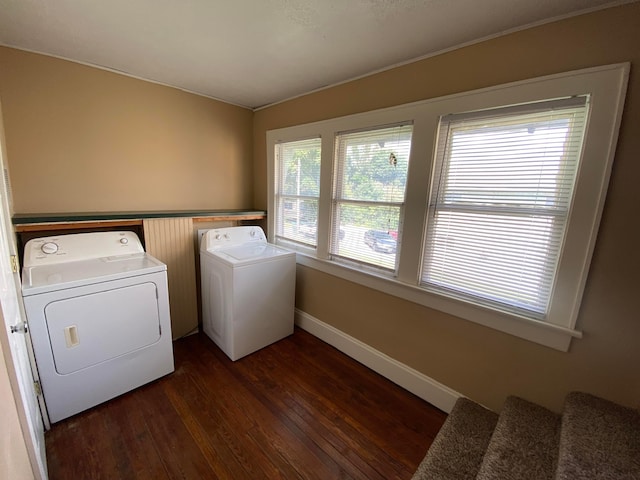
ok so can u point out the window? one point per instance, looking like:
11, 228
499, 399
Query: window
298, 188
369, 191
484, 205
500, 201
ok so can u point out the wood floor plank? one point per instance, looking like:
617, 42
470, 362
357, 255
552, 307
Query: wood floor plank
274, 429
353, 404
223, 395
132, 442
326, 416
346, 405
217, 412
397, 431
180, 454
71, 439
298, 409
289, 396
229, 457
273, 394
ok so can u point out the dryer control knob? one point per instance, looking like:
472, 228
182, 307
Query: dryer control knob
49, 248
218, 236
124, 241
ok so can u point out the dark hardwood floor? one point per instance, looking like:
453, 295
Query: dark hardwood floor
298, 409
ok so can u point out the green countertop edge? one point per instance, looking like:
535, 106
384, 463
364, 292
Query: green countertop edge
28, 218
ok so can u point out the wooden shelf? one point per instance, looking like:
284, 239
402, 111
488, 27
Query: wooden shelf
37, 227
91, 220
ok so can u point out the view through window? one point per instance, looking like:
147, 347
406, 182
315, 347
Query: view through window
298, 190
500, 201
369, 191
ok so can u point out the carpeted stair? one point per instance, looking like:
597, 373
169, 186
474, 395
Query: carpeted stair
599, 439
464, 436
593, 439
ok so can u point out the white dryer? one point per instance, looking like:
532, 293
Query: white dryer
248, 289
98, 312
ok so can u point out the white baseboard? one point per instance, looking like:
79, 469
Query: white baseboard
417, 383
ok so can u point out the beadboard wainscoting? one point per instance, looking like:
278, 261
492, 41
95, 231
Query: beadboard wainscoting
170, 240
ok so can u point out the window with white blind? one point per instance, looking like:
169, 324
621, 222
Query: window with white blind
484, 205
370, 181
499, 204
297, 191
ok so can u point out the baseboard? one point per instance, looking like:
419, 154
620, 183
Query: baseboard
417, 383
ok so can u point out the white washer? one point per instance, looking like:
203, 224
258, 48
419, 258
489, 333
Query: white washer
248, 290
98, 312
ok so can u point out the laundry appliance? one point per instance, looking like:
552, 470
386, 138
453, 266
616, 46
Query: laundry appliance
98, 313
247, 288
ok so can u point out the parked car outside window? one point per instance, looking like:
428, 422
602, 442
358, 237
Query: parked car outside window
380, 241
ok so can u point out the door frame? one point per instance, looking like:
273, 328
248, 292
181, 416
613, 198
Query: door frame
30, 433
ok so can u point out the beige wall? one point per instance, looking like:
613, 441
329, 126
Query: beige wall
481, 363
84, 139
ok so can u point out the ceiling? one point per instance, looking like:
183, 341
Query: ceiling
257, 52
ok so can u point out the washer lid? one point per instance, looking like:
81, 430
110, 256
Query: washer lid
49, 278
246, 254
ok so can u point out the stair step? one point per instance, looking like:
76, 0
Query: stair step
524, 444
599, 440
457, 451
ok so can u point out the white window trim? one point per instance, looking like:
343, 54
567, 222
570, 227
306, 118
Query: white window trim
607, 87
278, 195
339, 200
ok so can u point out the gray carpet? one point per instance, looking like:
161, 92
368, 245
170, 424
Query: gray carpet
524, 443
599, 440
457, 451
594, 439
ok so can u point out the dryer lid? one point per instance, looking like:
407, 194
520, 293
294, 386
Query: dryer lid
48, 278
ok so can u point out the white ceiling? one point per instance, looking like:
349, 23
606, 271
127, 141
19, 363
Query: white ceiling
257, 52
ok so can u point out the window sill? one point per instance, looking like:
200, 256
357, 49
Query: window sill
549, 335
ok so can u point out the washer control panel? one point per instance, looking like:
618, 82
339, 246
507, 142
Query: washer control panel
80, 246
231, 237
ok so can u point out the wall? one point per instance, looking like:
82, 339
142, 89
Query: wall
84, 139
481, 363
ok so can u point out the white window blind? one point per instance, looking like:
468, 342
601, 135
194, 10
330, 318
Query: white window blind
297, 190
369, 192
499, 203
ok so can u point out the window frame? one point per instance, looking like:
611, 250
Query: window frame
606, 86
557, 214
339, 199
278, 188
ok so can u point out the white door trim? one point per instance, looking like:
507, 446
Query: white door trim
15, 345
